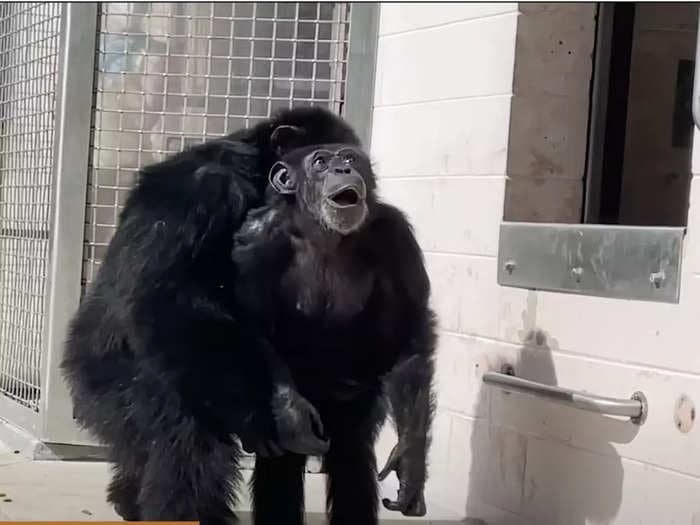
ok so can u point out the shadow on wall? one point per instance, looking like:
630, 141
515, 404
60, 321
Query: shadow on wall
534, 462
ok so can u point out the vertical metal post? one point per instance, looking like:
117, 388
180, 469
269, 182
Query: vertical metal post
362, 61
339, 48
597, 112
696, 79
74, 97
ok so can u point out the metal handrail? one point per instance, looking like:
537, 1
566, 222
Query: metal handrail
634, 408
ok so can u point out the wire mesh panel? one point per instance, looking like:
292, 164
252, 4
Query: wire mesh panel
170, 74
29, 44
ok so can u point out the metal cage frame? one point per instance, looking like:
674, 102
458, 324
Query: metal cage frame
52, 427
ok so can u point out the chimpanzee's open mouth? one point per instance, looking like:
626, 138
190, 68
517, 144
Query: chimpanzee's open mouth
345, 197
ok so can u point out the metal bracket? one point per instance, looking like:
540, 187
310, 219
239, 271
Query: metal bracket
624, 262
362, 58
642, 417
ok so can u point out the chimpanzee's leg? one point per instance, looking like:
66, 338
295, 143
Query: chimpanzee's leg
351, 466
123, 490
190, 476
278, 490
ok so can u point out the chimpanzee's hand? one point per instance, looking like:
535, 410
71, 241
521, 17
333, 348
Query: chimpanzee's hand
257, 438
410, 469
264, 448
298, 424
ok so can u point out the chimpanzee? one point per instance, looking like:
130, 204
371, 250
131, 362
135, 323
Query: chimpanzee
167, 360
335, 280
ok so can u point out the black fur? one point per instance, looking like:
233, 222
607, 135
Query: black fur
169, 354
349, 315
158, 363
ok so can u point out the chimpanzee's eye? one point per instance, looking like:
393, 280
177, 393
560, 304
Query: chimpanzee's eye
348, 158
319, 164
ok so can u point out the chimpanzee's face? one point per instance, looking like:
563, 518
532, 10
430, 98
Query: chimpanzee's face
332, 182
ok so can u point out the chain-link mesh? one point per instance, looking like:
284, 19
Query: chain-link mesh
170, 74
29, 42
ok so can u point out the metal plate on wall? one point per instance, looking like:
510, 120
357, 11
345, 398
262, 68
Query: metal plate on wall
625, 262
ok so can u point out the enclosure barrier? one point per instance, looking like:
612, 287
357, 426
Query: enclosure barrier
634, 408
92, 92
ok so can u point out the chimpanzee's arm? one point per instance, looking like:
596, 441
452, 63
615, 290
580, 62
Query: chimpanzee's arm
409, 384
261, 252
172, 270
297, 423
409, 388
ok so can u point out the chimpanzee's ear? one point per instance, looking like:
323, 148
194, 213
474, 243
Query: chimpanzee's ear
286, 137
281, 179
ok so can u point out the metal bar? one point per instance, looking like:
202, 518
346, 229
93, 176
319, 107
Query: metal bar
634, 408
362, 58
72, 141
29, 40
339, 50
24, 233
597, 113
18, 415
696, 80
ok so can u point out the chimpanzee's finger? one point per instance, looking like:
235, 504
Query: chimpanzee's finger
268, 449
391, 505
262, 451
275, 450
307, 444
392, 463
317, 424
317, 447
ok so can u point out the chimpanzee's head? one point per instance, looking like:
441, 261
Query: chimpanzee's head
294, 128
334, 183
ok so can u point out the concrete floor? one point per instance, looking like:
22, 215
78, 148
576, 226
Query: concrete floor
75, 491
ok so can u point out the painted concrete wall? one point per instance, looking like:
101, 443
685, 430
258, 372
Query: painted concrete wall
444, 92
549, 112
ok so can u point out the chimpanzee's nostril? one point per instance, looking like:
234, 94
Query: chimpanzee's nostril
342, 170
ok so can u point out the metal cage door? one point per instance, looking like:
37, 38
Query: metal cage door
120, 86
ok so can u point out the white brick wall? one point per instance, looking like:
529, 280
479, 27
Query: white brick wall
445, 78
